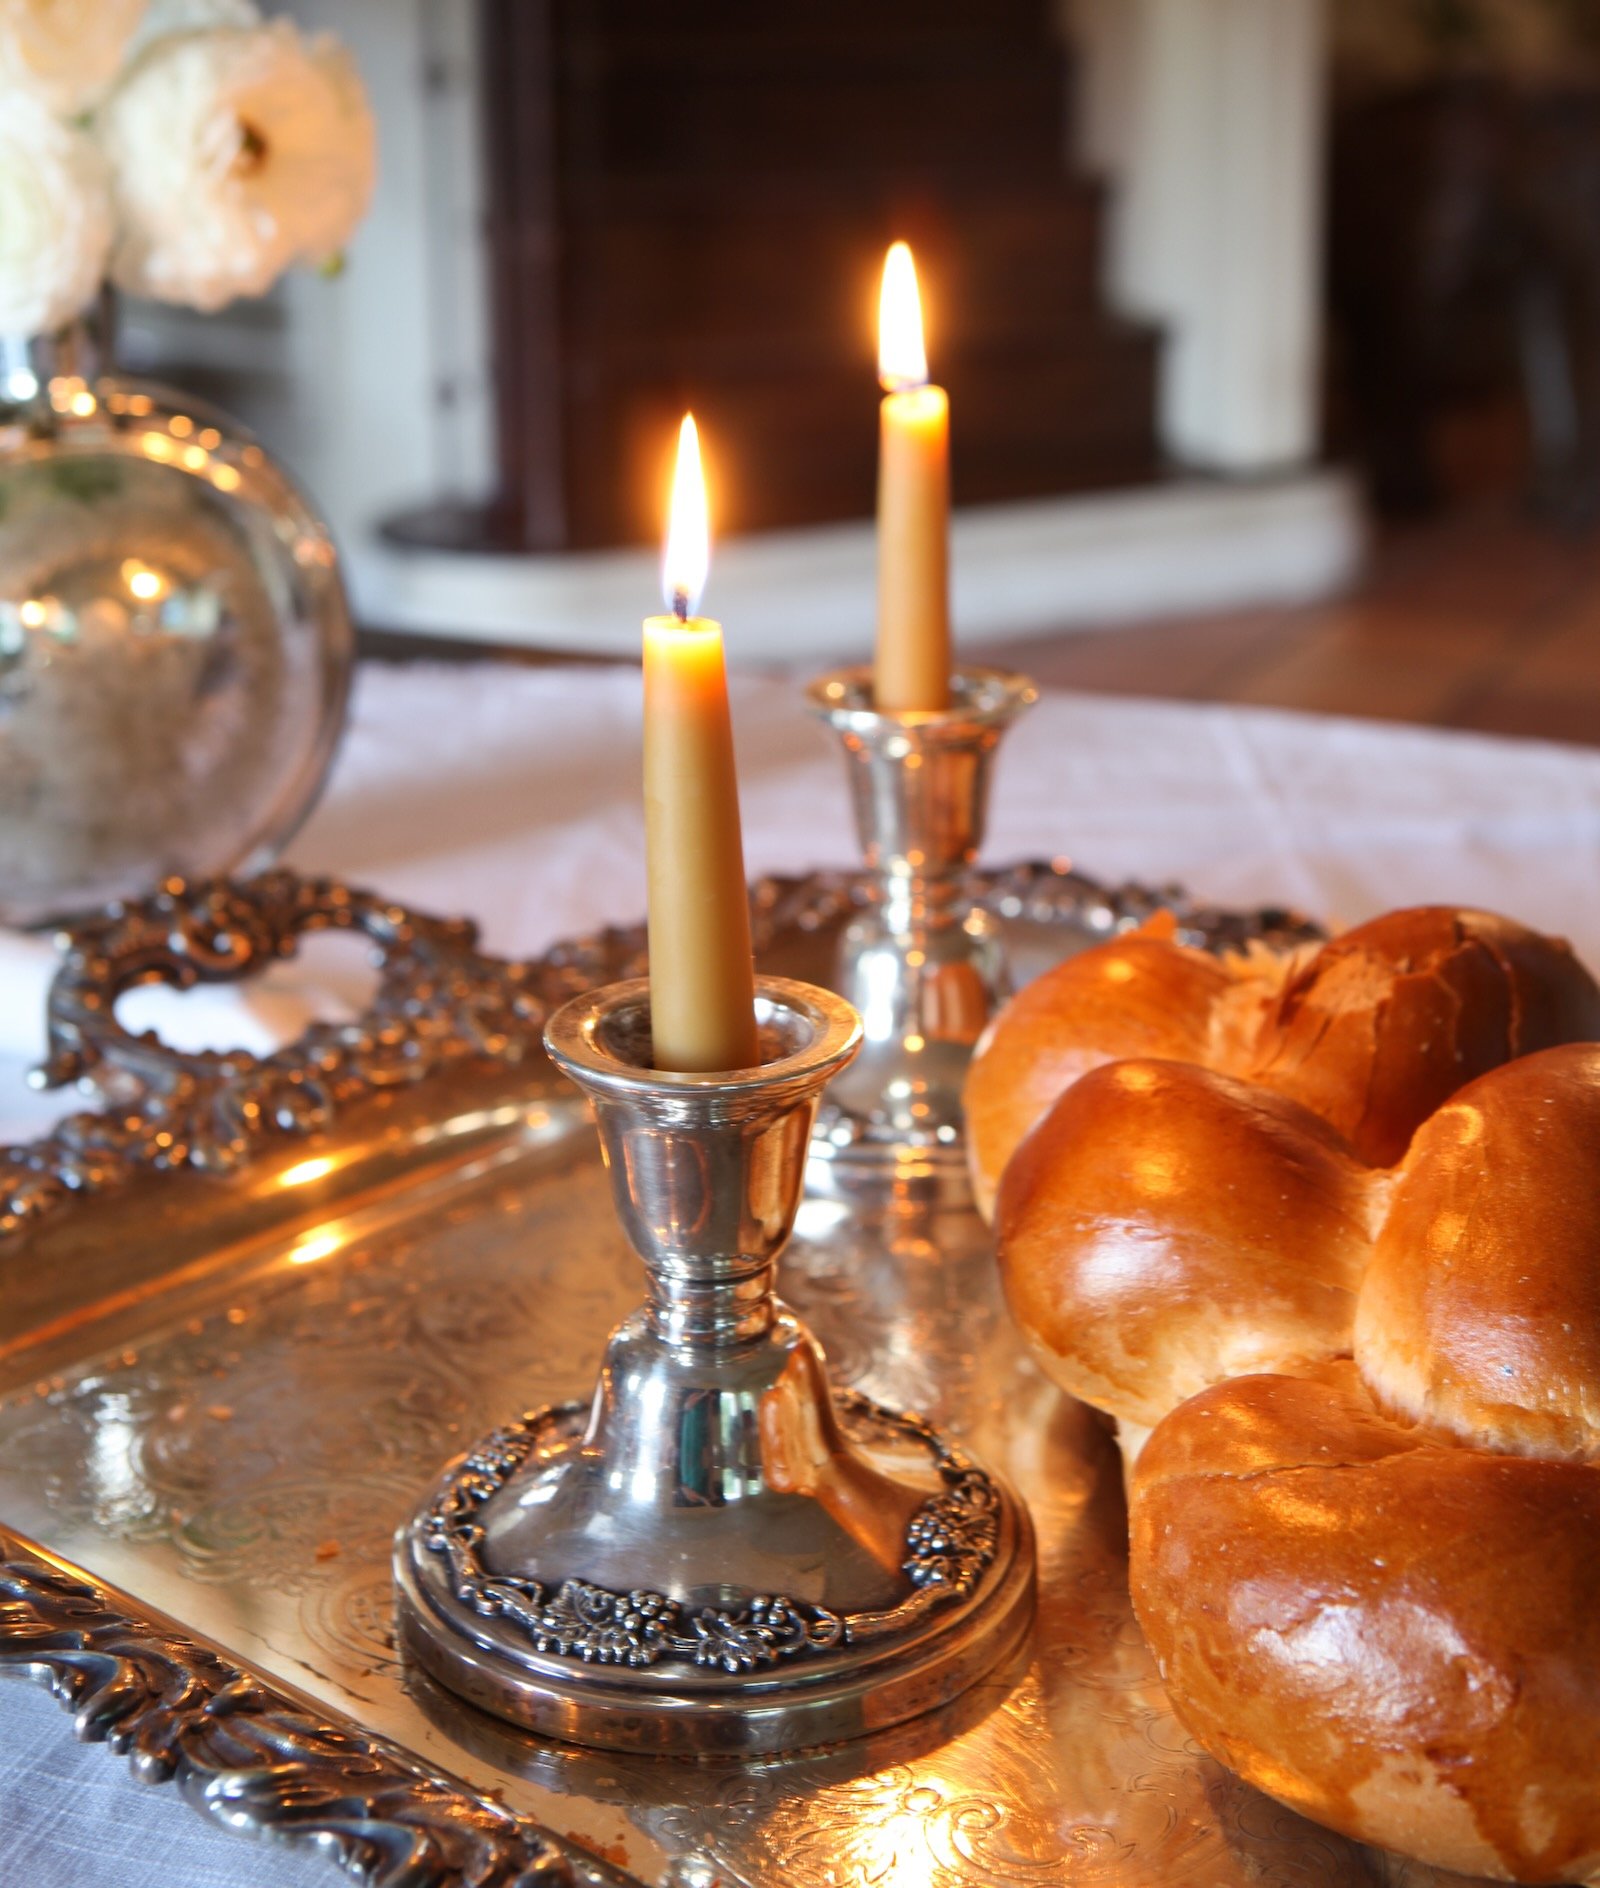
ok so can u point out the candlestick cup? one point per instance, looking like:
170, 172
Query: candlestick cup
716, 1554
922, 962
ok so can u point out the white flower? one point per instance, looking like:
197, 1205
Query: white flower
67, 51
55, 216
234, 152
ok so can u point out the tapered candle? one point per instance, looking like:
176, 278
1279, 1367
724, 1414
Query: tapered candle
702, 980
913, 660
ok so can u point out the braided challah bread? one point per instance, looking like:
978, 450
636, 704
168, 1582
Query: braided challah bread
1365, 1531
1371, 1032
1372, 1589
1142, 993
1392, 1632
1479, 1313
1379, 1027
1165, 1226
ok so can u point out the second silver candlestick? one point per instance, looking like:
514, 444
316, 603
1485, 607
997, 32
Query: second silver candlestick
922, 963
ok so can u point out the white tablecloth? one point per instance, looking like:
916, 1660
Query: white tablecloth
512, 794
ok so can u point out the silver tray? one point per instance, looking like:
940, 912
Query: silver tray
248, 1306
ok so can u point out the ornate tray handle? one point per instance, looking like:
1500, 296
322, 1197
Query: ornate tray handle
439, 999
248, 1756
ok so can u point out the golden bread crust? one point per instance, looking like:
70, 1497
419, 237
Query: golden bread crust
1142, 994
1384, 1024
1165, 1227
1480, 1310
1391, 1632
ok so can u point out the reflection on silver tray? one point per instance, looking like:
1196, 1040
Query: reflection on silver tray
222, 1385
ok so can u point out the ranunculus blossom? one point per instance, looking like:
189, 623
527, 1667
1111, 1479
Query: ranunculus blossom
234, 151
55, 216
66, 52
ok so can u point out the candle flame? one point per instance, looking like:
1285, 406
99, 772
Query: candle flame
902, 358
687, 557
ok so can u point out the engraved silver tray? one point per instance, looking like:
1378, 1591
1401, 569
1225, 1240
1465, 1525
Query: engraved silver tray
249, 1306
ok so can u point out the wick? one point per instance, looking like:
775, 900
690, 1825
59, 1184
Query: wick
680, 605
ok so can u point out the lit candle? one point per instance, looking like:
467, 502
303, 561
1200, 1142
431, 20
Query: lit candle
702, 981
913, 665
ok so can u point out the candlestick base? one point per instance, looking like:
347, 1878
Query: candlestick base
715, 1555
922, 963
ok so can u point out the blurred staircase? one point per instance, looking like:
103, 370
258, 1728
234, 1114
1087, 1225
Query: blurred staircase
689, 207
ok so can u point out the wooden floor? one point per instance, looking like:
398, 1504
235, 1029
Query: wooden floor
1483, 620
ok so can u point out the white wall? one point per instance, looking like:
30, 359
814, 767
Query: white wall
1207, 117
390, 403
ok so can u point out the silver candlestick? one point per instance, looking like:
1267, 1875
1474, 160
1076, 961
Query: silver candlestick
922, 963
717, 1553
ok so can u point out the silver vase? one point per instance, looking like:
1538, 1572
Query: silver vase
175, 646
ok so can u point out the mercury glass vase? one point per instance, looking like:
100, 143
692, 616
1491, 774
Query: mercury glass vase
175, 645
